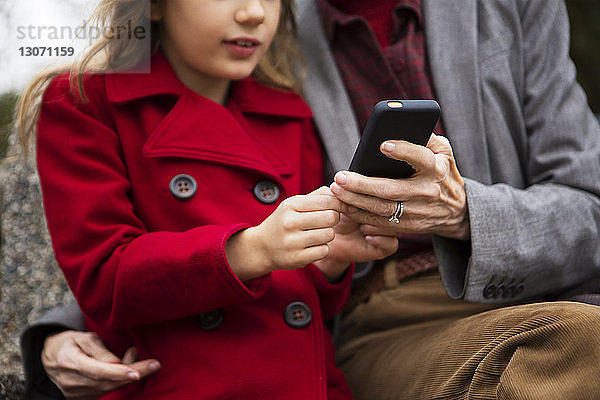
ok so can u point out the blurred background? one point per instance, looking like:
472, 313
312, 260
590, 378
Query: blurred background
585, 46
20, 24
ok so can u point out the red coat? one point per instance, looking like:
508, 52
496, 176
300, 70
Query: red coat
149, 268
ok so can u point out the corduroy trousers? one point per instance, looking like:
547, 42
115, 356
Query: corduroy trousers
413, 342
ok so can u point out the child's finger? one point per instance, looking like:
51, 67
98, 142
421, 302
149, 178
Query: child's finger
322, 190
314, 202
315, 253
376, 230
304, 221
300, 240
382, 245
316, 237
318, 219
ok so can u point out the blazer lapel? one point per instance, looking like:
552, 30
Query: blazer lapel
324, 89
452, 47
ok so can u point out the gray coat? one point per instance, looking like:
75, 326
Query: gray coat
524, 140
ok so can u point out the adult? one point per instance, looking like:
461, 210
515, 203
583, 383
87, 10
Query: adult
509, 196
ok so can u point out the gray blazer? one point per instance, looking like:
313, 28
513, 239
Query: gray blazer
523, 137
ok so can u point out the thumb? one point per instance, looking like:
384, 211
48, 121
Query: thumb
130, 356
382, 246
322, 190
439, 145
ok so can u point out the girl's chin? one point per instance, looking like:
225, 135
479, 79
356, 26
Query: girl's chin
238, 76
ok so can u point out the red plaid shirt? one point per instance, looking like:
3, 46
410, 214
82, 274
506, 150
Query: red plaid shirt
387, 62
380, 52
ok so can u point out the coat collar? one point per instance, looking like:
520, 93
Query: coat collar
198, 128
249, 95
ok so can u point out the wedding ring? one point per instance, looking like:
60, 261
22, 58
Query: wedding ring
395, 218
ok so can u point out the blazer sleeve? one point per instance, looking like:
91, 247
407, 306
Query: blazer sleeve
542, 239
121, 274
37, 384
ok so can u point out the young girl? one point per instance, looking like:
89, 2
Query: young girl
172, 202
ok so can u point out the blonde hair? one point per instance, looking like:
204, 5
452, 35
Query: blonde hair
277, 68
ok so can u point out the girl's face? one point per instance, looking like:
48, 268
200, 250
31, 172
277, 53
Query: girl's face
210, 42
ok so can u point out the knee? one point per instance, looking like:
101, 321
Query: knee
581, 321
556, 356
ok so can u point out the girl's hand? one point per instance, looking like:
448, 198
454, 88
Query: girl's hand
294, 235
356, 243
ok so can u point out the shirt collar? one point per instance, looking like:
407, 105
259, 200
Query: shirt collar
248, 95
332, 17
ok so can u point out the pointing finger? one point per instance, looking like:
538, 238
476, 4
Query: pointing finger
419, 157
314, 202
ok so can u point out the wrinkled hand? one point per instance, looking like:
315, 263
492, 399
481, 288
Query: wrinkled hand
83, 368
434, 197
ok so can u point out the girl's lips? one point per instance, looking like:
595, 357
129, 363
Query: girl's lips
243, 47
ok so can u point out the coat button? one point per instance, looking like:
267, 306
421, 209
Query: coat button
489, 291
183, 186
297, 315
267, 192
210, 320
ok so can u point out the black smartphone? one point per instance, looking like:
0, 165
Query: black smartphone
410, 120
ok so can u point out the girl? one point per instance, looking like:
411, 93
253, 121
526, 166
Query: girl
164, 195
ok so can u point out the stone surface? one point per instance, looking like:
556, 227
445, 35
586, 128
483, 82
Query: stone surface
30, 281
11, 387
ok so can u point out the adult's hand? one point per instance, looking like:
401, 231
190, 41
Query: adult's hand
83, 368
434, 197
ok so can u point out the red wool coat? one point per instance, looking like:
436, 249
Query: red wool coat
142, 187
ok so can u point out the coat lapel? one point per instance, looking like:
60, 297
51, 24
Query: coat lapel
197, 128
452, 47
324, 89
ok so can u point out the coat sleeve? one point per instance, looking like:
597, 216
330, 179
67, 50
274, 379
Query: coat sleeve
332, 296
542, 239
121, 274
